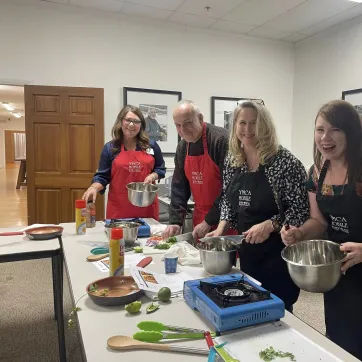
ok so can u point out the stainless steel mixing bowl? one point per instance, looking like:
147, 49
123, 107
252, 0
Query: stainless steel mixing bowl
217, 254
141, 194
130, 230
314, 265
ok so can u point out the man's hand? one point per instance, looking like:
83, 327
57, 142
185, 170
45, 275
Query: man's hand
292, 235
171, 230
258, 233
201, 230
354, 255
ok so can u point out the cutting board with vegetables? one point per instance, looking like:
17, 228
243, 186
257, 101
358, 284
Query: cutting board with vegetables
247, 344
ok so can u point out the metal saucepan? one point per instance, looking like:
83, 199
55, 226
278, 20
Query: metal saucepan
141, 194
314, 265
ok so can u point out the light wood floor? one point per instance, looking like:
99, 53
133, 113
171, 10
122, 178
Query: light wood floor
13, 203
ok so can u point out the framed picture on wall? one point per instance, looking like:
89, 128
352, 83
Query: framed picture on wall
354, 97
222, 109
157, 107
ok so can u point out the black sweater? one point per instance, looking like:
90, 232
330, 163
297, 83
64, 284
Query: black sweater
217, 145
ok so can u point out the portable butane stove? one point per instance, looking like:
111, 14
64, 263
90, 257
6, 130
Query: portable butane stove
144, 230
232, 301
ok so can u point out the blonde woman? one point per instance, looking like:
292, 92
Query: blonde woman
263, 187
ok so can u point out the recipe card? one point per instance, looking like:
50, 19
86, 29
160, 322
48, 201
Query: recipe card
153, 282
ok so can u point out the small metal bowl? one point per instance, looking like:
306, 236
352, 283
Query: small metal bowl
141, 194
130, 230
217, 254
314, 265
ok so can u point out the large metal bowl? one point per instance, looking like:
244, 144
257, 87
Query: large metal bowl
217, 254
141, 194
130, 230
314, 265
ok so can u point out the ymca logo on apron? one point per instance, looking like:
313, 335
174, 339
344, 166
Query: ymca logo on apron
134, 166
197, 178
244, 198
339, 223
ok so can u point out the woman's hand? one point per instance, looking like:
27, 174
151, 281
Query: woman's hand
151, 178
354, 255
292, 235
201, 230
91, 194
221, 228
259, 233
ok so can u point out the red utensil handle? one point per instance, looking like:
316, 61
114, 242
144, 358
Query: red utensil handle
11, 233
209, 341
144, 262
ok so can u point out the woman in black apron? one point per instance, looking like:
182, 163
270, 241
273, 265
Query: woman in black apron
255, 198
336, 207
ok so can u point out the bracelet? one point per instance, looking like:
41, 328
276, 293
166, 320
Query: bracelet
93, 188
275, 225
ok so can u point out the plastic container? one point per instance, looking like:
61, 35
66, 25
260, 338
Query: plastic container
80, 217
91, 214
116, 252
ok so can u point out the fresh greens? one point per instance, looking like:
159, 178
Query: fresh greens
162, 246
93, 287
269, 354
171, 240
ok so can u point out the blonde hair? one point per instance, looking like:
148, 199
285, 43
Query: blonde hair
267, 141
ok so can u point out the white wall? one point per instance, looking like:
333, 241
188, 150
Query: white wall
57, 45
16, 124
325, 65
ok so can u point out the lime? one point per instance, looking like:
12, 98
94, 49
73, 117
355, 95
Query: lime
133, 307
138, 249
152, 307
164, 294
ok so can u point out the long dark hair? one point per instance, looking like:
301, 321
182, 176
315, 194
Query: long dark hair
345, 117
142, 138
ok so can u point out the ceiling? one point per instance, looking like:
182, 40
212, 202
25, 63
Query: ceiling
286, 20
13, 95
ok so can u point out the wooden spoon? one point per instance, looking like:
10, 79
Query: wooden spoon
124, 343
97, 257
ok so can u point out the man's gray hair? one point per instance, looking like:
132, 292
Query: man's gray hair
195, 108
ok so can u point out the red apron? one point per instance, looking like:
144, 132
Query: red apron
205, 182
129, 166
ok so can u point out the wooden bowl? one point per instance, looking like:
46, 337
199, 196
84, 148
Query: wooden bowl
44, 232
120, 290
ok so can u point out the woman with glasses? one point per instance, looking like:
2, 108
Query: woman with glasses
129, 157
335, 195
263, 187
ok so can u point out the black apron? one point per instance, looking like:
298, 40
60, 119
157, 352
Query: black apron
252, 199
343, 304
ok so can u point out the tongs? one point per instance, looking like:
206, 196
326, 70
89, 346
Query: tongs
155, 331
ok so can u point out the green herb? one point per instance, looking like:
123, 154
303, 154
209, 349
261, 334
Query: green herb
138, 249
171, 240
162, 246
270, 354
152, 307
104, 293
93, 287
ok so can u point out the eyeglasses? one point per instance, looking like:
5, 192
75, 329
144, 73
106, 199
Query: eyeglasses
258, 101
136, 122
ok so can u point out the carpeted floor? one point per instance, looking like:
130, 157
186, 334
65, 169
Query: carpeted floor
28, 330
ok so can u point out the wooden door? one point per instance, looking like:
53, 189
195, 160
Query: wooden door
64, 137
10, 145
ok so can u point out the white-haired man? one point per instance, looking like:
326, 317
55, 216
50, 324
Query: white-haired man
199, 162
